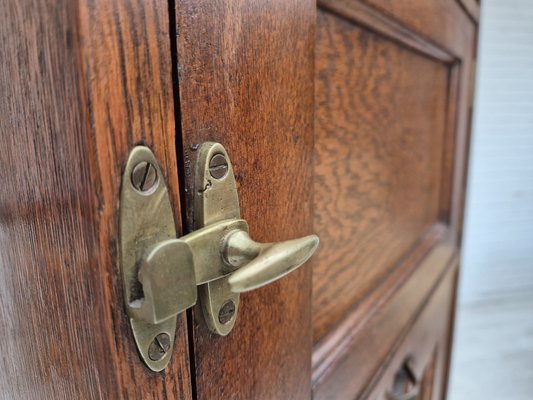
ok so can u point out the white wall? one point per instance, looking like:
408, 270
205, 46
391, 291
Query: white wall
493, 344
498, 236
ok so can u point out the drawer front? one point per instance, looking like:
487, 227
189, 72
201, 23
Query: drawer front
370, 343
418, 364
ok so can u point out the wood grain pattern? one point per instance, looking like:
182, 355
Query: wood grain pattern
247, 82
375, 342
366, 16
82, 82
448, 25
450, 340
443, 22
425, 27
380, 112
450, 137
332, 348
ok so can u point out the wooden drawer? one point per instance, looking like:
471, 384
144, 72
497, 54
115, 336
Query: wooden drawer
362, 349
425, 348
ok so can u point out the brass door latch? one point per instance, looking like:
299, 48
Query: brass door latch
164, 275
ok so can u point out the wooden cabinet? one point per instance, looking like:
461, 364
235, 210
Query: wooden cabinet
348, 119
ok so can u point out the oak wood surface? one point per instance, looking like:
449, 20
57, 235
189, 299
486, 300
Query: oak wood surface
446, 23
82, 83
442, 32
429, 380
245, 73
371, 346
472, 8
450, 138
426, 344
333, 348
380, 124
368, 17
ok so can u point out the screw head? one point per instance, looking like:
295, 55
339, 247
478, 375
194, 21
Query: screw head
218, 166
159, 347
226, 313
144, 177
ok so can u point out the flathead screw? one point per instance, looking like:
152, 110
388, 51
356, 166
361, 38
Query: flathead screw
144, 177
218, 166
159, 347
226, 313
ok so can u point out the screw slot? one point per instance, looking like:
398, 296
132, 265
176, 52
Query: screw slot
144, 177
226, 313
159, 347
218, 166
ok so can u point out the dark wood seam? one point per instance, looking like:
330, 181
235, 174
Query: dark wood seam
180, 167
450, 139
471, 8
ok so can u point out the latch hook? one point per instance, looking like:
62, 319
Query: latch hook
163, 275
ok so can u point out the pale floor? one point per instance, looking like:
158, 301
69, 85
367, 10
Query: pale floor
493, 350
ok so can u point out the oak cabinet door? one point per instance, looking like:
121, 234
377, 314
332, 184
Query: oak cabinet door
247, 82
82, 83
379, 178
392, 99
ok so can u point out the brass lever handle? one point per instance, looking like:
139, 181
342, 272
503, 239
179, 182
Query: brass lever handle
263, 263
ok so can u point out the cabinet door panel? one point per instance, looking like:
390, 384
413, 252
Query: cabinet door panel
381, 119
392, 97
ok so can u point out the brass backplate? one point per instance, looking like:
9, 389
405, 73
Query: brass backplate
216, 199
146, 219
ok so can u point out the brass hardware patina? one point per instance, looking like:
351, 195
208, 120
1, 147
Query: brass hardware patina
163, 275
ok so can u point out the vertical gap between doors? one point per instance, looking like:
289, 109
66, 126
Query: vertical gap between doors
181, 168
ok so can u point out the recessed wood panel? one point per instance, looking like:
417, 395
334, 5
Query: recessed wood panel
380, 123
446, 23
